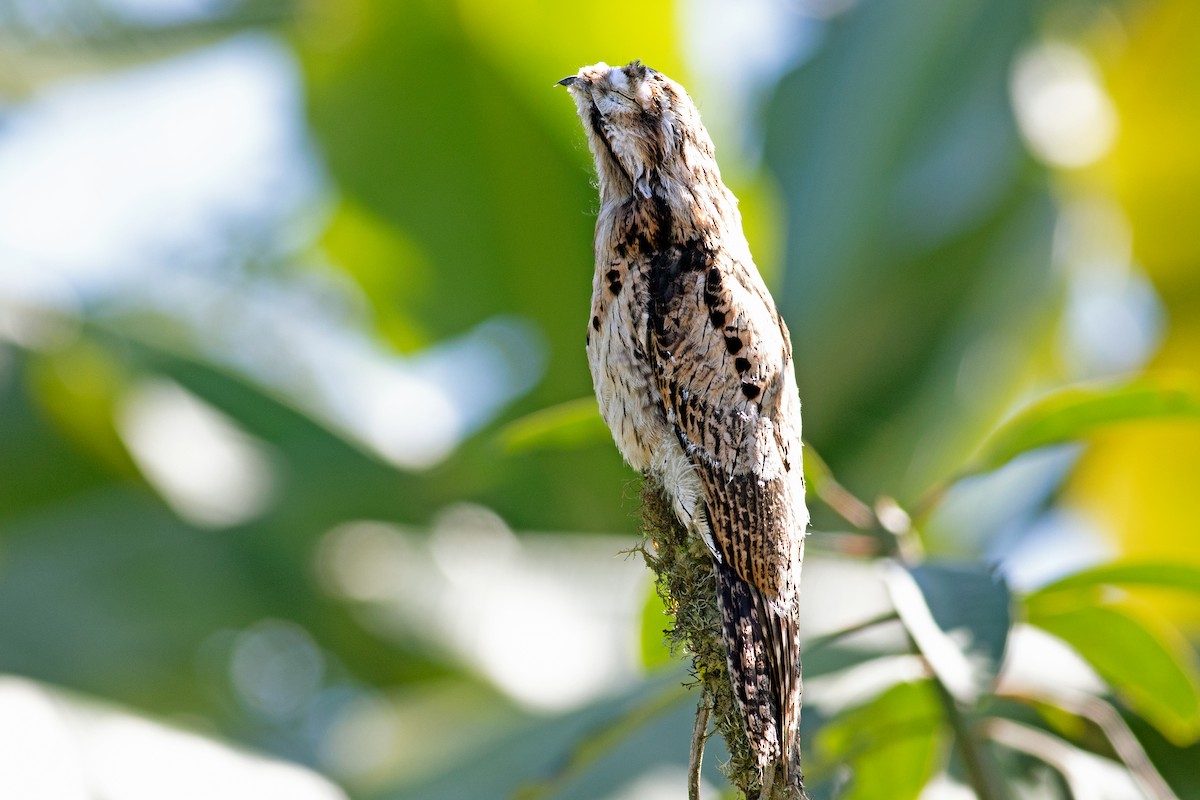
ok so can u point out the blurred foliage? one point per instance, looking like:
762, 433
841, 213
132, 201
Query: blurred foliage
1135, 477
922, 280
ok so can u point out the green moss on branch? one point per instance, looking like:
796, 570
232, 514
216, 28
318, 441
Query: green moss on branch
687, 584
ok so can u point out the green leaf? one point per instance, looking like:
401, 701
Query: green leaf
1176, 764
1150, 574
1078, 411
563, 426
817, 474
593, 751
1149, 663
972, 604
655, 622
893, 744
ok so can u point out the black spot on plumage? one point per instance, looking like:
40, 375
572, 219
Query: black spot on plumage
717, 318
712, 282
596, 323
613, 275
615, 287
733, 344
663, 221
751, 390
742, 364
695, 257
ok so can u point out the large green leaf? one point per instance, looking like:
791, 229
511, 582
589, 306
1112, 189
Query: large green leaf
586, 753
1145, 660
1158, 575
41, 464
1075, 412
893, 744
565, 425
973, 605
1176, 763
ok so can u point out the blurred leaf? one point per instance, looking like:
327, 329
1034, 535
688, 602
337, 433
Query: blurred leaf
1146, 660
893, 744
45, 460
655, 622
820, 484
1140, 479
394, 274
528, 42
79, 387
587, 753
566, 425
897, 152
972, 604
1073, 413
1176, 763
817, 474
47, 43
441, 165
447, 162
1155, 575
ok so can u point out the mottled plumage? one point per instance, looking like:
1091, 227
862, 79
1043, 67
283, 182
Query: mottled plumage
692, 367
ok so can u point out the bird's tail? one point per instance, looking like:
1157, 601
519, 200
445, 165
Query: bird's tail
764, 668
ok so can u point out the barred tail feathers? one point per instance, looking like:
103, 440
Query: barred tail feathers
764, 670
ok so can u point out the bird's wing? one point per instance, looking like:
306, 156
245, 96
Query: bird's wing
722, 360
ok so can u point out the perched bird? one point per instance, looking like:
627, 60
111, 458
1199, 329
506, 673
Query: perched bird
692, 366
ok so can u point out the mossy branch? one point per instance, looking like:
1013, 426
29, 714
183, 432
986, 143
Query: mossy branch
687, 584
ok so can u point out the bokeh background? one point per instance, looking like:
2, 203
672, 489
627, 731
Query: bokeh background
302, 489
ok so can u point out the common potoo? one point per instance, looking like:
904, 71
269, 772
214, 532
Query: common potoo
692, 366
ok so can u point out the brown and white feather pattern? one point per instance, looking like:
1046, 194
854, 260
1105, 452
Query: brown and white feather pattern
692, 367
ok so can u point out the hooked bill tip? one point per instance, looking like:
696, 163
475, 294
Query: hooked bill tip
567, 81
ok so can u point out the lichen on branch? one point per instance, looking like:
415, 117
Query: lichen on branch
687, 584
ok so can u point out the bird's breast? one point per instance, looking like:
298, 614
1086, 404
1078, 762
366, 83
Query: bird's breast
622, 375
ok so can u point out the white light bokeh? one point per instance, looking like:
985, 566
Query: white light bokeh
276, 667
1062, 109
1114, 320
363, 741
1056, 544
155, 165
663, 783
1036, 662
300, 341
551, 620
38, 309
39, 759
210, 472
850, 687
738, 50
169, 12
56, 747
943, 787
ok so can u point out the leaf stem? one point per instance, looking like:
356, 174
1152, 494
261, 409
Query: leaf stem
817, 642
984, 778
696, 758
1114, 728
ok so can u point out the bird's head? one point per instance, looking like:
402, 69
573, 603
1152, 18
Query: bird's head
641, 126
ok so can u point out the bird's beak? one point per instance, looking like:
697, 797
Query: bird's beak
567, 81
